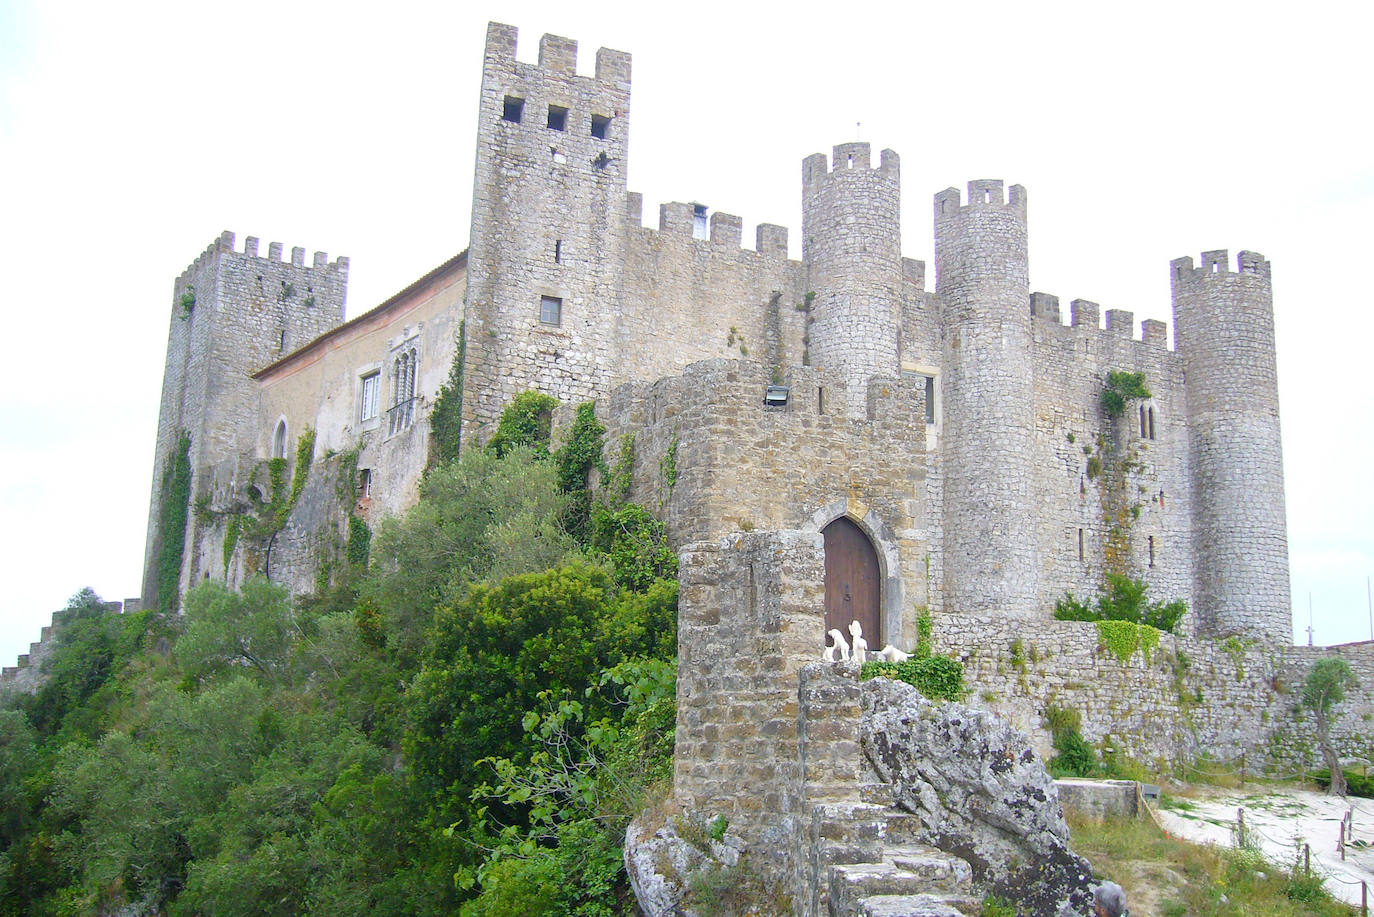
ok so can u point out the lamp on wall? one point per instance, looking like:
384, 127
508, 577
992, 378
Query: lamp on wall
775, 396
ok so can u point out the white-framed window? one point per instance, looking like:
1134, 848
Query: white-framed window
550, 310
371, 395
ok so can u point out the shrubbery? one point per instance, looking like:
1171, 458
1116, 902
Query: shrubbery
1123, 599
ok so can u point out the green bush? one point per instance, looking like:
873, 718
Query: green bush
1356, 784
1123, 599
936, 677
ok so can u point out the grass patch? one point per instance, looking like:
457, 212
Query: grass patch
1166, 876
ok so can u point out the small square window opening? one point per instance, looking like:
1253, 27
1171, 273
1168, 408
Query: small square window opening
601, 127
550, 310
558, 118
514, 110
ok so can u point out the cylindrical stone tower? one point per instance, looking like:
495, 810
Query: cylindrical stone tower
851, 243
983, 283
1224, 328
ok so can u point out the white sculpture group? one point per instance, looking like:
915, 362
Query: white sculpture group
840, 649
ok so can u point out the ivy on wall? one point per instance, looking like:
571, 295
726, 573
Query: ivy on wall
173, 514
446, 420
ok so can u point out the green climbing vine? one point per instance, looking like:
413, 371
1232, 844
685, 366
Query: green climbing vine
1123, 638
276, 503
1111, 469
446, 420
232, 527
173, 514
526, 421
667, 470
576, 460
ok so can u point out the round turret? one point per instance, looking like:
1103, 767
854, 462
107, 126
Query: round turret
983, 283
851, 243
1224, 328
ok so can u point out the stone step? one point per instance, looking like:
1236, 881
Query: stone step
862, 820
948, 873
881, 794
906, 870
911, 906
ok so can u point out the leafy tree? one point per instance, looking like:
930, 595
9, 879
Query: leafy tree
635, 544
492, 654
1322, 692
481, 518
255, 628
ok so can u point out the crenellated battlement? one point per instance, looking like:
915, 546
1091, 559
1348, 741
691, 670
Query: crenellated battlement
557, 55
1214, 264
982, 193
224, 245
1086, 315
851, 160
725, 230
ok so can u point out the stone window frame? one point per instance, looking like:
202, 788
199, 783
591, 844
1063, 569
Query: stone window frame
403, 373
896, 628
279, 438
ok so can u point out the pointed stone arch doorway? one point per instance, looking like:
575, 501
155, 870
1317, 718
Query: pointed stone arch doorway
853, 581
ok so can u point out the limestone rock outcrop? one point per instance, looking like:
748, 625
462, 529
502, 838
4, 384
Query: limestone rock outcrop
981, 793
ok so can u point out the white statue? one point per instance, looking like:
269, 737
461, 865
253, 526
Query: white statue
890, 653
839, 645
860, 644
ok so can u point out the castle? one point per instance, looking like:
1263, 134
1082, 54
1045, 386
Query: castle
966, 419
828, 432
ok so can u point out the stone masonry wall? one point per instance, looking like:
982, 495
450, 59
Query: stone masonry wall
1077, 452
852, 248
1192, 697
739, 465
248, 311
990, 551
749, 615
1224, 322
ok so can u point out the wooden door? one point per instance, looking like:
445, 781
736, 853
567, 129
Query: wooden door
852, 582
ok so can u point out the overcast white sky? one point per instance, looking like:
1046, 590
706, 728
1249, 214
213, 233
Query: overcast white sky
131, 134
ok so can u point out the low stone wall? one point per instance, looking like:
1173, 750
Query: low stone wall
1188, 698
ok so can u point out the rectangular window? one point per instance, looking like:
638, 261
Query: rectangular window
365, 482
1080, 544
513, 110
557, 251
550, 310
601, 127
1152, 550
372, 388
558, 118
699, 227
1152, 423
930, 400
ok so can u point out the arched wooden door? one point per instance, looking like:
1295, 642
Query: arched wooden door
853, 585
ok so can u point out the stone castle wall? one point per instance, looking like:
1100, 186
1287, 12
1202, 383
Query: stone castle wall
1192, 698
248, 310
738, 464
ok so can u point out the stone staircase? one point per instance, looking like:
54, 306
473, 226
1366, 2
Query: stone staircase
868, 864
